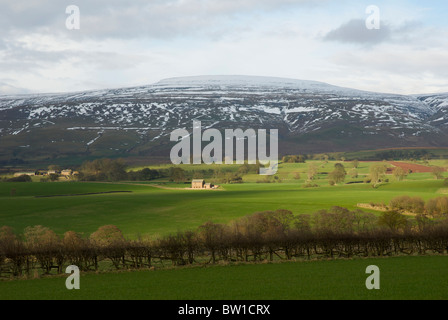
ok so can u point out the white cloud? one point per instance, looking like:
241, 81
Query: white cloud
122, 44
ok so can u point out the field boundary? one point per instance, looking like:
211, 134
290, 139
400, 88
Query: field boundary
382, 208
158, 186
80, 194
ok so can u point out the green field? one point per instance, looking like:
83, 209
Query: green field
153, 211
148, 210
400, 278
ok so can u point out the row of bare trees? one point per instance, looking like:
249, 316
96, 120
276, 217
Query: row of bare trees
262, 236
435, 207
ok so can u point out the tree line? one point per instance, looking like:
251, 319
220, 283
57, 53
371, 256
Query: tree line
377, 173
435, 207
115, 170
262, 236
402, 154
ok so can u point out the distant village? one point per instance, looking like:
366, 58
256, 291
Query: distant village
67, 173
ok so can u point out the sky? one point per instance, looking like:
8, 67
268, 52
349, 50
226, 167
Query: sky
132, 43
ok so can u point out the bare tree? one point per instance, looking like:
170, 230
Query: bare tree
312, 171
377, 172
399, 173
338, 174
437, 172
394, 220
46, 246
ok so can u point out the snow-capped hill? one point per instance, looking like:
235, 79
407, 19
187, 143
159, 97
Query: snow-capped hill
237, 81
264, 85
257, 83
439, 104
310, 115
435, 101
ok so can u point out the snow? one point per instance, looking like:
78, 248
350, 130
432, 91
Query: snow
96, 138
170, 103
300, 109
268, 109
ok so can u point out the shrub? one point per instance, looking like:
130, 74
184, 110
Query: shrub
107, 235
393, 220
53, 177
399, 173
103, 170
437, 206
406, 203
310, 185
22, 178
437, 172
338, 174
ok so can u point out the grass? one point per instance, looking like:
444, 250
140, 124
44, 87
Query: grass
153, 211
410, 278
150, 210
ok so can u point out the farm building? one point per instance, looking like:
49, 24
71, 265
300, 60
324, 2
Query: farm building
67, 172
197, 183
200, 184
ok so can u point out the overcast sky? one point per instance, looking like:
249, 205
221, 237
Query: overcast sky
130, 43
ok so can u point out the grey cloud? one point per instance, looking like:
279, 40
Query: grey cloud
6, 88
139, 18
17, 58
421, 64
355, 31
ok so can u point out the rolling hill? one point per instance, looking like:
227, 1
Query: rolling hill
310, 116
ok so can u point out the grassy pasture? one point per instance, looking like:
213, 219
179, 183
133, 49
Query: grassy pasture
410, 278
154, 211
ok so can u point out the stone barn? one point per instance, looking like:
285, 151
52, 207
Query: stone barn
197, 184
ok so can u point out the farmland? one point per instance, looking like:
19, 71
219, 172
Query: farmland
149, 211
416, 278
